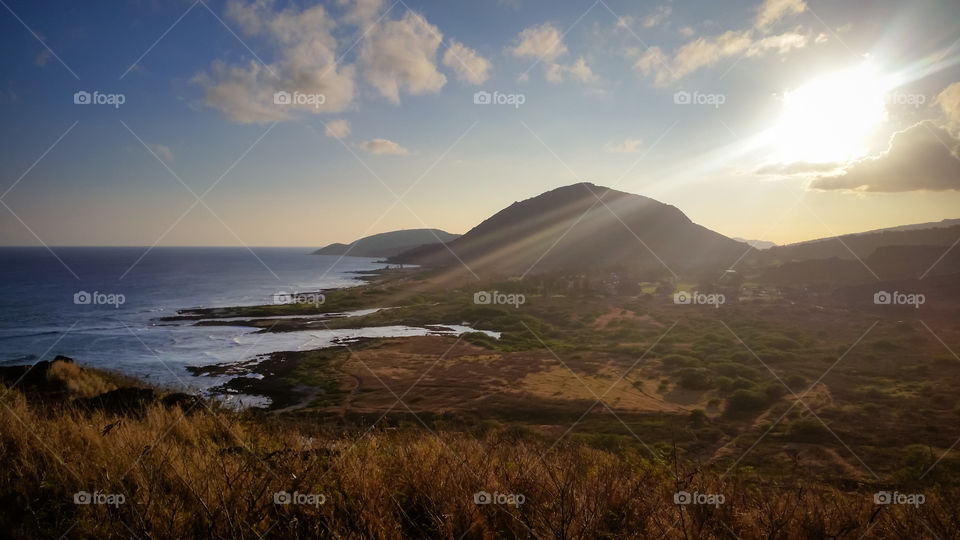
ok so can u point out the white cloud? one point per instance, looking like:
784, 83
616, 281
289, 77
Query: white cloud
707, 51
921, 157
657, 17
396, 56
469, 66
780, 43
401, 55
686, 31
949, 102
338, 129
165, 153
579, 70
305, 64
627, 146
797, 168
773, 10
543, 41
383, 147
249, 17
554, 73
625, 21
362, 12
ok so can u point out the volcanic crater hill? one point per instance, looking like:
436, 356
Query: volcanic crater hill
388, 244
584, 226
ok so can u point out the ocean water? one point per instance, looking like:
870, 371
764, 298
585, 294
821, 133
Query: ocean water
43, 314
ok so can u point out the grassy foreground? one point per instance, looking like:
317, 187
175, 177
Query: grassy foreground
162, 468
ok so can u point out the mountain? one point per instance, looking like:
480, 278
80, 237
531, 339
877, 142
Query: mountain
943, 223
759, 244
388, 244
863, 245
580, 227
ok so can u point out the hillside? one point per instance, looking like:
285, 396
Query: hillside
886, 263
864, 244
388, 244
584, 226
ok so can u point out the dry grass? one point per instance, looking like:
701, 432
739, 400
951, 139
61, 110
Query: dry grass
213, 473
78, 381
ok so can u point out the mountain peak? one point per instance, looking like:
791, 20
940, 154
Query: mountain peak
584, 226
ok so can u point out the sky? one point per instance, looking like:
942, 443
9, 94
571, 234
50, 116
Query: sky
297, 123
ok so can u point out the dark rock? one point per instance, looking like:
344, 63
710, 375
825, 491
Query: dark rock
120, 401
189, 403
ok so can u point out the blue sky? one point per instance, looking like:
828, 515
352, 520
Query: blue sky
778, 141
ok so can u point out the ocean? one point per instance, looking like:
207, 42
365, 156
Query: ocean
101, 306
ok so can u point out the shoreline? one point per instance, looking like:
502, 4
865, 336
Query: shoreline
272, 376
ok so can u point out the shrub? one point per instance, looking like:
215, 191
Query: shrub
695, 378
724, 384
731, 369
677, 361
807, 430
796, 382
698, 417
743, 402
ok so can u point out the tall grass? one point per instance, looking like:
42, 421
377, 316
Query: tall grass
213, 473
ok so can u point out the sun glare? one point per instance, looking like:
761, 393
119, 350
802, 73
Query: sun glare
830, 118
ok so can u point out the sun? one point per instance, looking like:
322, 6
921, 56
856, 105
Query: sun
830, 118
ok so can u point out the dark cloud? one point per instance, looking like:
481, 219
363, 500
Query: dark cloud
921, 157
